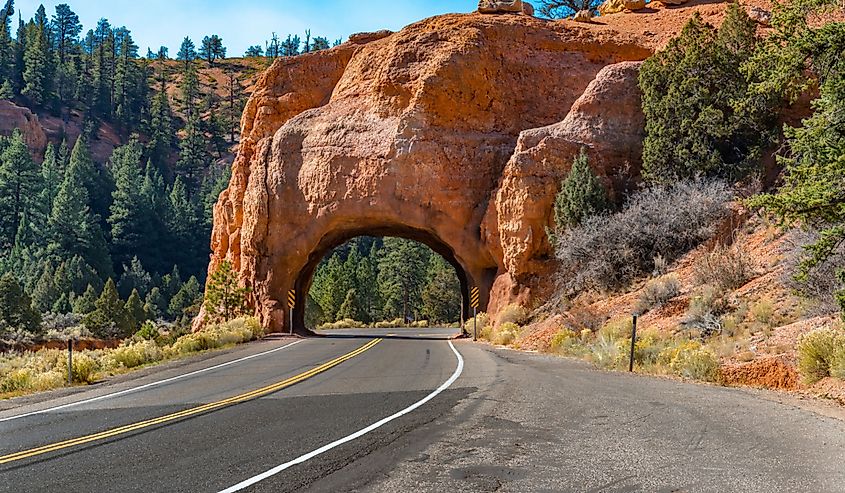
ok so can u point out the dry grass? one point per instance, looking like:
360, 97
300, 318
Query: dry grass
47, 369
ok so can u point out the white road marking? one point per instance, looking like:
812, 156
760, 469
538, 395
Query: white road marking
325, 448
146, 386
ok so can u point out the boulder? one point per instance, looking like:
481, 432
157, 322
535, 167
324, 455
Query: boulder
615, 6
500, 6
364, 38
414, 136
760, 15
583, 16
527, 8
14, 117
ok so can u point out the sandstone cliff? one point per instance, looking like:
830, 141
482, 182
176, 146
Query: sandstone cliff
413, 134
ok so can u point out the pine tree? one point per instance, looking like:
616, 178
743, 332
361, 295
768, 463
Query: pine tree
187, 52
402, 273
20, 185
441, 297
74, 230
51, 177
185, 303
7, 92
66, 29
212, 49
350, 308
38, 61
45, 293
135, 313
155, 305
224, 298
134, 277
16, 306
581, 195
7, 46
85, 304
109, 318
290, 46
131, 220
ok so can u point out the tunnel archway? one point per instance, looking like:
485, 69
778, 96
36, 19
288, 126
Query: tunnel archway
338, 237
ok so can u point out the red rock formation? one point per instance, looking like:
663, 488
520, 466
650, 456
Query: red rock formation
14, 117
411, 135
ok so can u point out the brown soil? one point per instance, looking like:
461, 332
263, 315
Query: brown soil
769, 373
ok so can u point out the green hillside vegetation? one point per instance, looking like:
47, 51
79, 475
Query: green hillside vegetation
99, 244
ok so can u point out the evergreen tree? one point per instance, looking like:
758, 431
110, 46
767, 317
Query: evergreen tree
350, 308
7, 45
696, 124
155, 306
16, 306
109, 318
66, 29
45, 294
581, 195
135, 313
85, 304
161, 126
320, 43
254, 52
290, 46
74, 230
212, 49
402, 273
187, 52
38, 61
135, 278
441, 297
131, 219
812, 192
185, 303
224, 298
7, 92
558, 9
51, 177
20, 185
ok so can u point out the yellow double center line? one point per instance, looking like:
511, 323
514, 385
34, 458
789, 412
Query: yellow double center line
188, 412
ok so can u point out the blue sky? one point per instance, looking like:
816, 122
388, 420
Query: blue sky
245, 22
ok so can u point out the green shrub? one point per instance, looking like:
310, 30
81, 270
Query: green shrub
346, 323
581, 195
512, 314
564, 339
148, 331
84, 368
691, 360
837, 366
817, 353
506, 333
482, 321
657, 292
389, 324
136, 354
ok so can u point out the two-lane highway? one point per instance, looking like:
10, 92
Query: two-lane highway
409, 410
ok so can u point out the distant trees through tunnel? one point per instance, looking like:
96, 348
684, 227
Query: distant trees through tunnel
373, 279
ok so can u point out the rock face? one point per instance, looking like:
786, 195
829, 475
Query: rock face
583, 16
413, 135
615, 6
500, 6
13, 116
608, 123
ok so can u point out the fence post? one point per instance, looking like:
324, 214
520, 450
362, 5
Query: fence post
633, 343
70, 361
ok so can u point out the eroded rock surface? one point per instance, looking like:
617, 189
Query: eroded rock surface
14, 117
500, 6
413, 135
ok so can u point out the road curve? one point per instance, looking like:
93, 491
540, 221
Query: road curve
504, 421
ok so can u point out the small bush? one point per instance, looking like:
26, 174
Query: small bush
136, 354
346, 323
148, 331
389, 324
482, 321
420, 324
691, 360
837, 366
505, 334
610, 251
84, 368
657, 292
512, 314
763, 312
818, 353
563, 339
704, 313
727, 268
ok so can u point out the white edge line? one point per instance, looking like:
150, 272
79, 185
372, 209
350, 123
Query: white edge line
325, 448
146, 386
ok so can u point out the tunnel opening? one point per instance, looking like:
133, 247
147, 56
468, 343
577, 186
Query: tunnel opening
379, 276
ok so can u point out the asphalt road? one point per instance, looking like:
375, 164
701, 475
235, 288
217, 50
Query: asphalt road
399, 410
